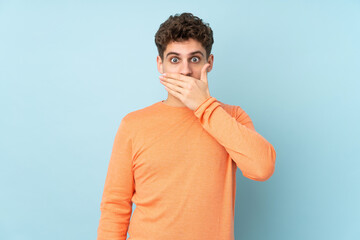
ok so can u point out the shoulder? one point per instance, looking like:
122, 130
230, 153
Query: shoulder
136, 118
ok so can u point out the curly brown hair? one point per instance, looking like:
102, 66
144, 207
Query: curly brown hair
182, 27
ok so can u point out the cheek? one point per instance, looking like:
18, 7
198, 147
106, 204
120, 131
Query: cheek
197, 71
171, 68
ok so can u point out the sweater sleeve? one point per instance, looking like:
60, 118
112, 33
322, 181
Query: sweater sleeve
251, 152
116, 204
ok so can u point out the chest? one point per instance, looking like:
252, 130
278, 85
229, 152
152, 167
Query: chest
173, 153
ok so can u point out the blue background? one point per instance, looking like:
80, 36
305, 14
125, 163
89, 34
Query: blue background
70, 70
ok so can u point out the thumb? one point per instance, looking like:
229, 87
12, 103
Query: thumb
204, 72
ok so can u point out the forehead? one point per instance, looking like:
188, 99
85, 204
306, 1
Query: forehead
185, 47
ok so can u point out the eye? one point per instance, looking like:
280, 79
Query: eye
195, 59
174, 60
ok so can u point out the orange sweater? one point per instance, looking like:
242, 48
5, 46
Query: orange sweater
178, 166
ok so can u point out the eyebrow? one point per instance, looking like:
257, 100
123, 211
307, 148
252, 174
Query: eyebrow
192, 53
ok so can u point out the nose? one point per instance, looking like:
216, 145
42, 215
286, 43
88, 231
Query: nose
186, 69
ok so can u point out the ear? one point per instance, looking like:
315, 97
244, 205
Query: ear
211, 62
159, 64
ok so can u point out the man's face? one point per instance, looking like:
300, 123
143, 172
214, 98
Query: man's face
186, 57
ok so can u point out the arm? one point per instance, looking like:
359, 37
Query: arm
116, 205
251, 152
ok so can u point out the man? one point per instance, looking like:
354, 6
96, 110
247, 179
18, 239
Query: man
177, 159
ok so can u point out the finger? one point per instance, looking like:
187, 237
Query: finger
173, 81
204, 72
176, 76
173, 87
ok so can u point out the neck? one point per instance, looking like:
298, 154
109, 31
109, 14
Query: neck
173, 101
